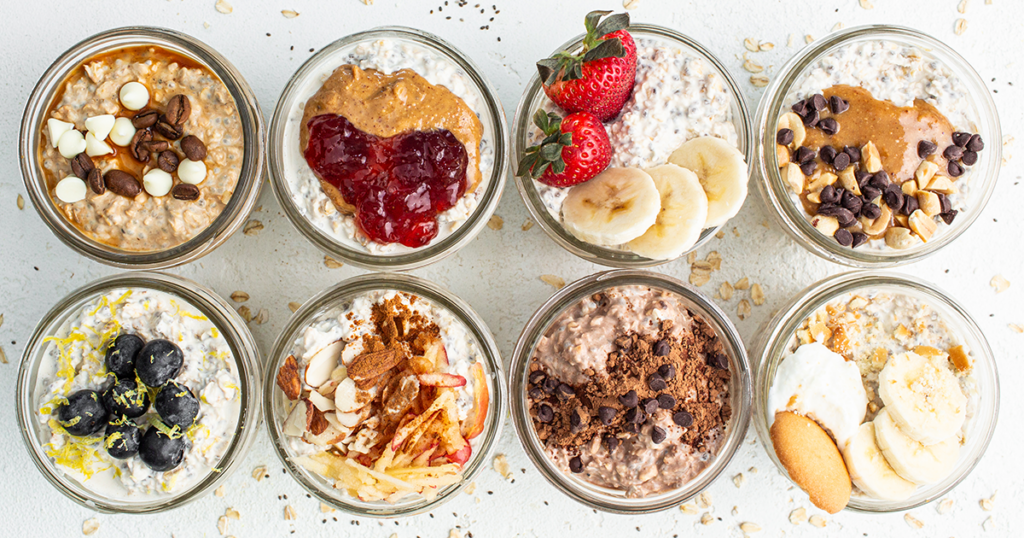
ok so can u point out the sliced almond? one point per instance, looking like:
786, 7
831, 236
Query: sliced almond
826, 225
869, 158
348, 398
848, 180
295, 424
899, 238
922, 225
794, 177
929, 202
323, 363
791, 121
321, 402
288, 378
925, 172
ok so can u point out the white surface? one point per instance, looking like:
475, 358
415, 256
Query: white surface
498, 273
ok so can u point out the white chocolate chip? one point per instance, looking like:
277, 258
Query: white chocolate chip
100, 126
191, 172
57, 129
94, 147
70, 190
71, 143
157, 182
122, 132
134, 96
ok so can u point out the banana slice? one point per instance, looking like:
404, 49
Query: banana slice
924, 400
920, 464
615, 207
870, 472
722, 172
684, 209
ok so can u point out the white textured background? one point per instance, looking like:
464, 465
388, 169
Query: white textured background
498, 273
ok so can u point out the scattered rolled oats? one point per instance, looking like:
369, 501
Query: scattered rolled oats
699, 278
999, 283
293, 306
1017, 328
735, 511
455, 533
90, 526
289, 513
944, 506
262, 316
219, 491
325, 508
527, 225
752, 66
725, 290
720, 234
866, 4
988, 504
808, 39
757, 294
913, 521
766, 46
791, 42
743, 310
331, 263
289, 14
630, 4
752, 470
838, 26
470, 489
704, 500
750, 528
798, 516
239, 296
21, 202
259, 473
1007, 148
691, 257
960, 27
500, 465
688, 509
751, 44
231, 513
988, 524
742, 284
3, 356
222, 525
706, 518
554, 281
739, 480
759, 81
225, 8
818, 521
962, 7
496, 222
367, 2
245, 312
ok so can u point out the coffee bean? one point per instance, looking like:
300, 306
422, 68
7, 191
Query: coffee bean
155, 146
635, 415
880, 180
137, 149
658, 435
167, 130
910, 204
843, 237
852, 202
853, 152
893, 197
650, 405
606, 414
544, 413
948, 216
95, 181
926, 148
954, 170
944, 205
667, 371
811, 118
656, 383
808, 168
628, 399
721, 361
145, 119
179, 108
576, 465
81, 165
969, 158
838, 104
784, 137
827, 153
803, 155
817, 101
536, 393
683, 419
122, 183
662, 348
193, 147
550, 385
611, 442
841, 161
953, 153
800, 108
862, 178
961, 139
829, 195
870, 211
976, 144
536, 377
666, 401
565, 391
859, 239
185, 192
869, 192
829, 126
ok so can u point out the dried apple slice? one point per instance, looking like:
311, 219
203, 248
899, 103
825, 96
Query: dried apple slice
436, 354
442, 380
474, 424
403, 432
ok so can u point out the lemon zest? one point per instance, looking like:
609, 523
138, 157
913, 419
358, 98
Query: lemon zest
187, 314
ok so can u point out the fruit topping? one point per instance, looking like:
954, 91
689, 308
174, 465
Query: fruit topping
159, 361
83, 414
122, 438
684, 210
617, 206
722, 172
161, 448
598, 78
574, 150
121, 354
177, 405
126, 398
474, 424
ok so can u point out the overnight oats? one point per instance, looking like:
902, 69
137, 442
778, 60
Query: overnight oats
384, 398
136, 399
387, 144
875, 399
638, 146
880, 146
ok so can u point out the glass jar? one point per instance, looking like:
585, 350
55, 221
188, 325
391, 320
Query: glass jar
290, 173
534, 99
776, 339
250, 179
607, 499
234, 331
332, 301
791, 216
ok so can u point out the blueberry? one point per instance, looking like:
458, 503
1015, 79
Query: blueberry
177, 405
120, 357
159, 361
126, 398
123, 438
161, 452
83, 414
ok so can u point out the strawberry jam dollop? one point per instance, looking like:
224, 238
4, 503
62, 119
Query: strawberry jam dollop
398, 185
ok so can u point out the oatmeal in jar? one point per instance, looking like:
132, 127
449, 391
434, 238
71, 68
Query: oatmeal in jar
629, 390
142, 148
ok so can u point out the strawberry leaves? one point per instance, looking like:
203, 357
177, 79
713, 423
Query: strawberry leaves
566, 66
548, 154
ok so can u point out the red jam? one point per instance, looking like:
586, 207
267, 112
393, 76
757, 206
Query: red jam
398, 185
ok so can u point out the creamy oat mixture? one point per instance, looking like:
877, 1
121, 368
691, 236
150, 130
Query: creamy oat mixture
388, 56
147, 223
677, 96
74, 360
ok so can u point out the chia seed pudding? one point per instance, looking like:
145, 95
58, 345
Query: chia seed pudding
629, 390
387, 56
75, 361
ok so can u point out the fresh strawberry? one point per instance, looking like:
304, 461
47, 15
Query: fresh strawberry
599, 78
574, 150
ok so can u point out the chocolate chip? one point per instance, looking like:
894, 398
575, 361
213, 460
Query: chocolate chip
852, 202
667, 371
95, 181
122, 183
969, 158
800, 108
862, 177
961, 139
910, 204
880, 180
841, 161
635, 415
843, 237
843, 215
926, 148
893, 197
193, 147
853, 152
576, 465
656, 383
662, 348
545, 414
606, 414
721, 361
953, 153
575, 421
870, 211
838, 104
632, 428
859, 238
565, 391
808, 168
954, 169
537, 393
811, 118
683, 419
869, 192
136, 145
944, 205
611, 442
536, 377
650, 405
666, 401
145, 119
179, 108
803, 155
827, 153
975, 144
784, 137
829, 126
829, 195
658, 435
948, 216
168, 130
818, 102
550, 385
628, 399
